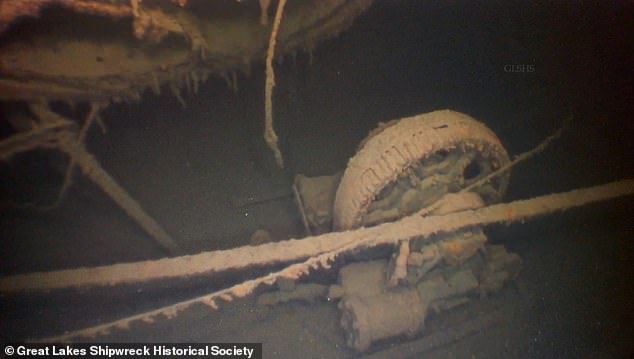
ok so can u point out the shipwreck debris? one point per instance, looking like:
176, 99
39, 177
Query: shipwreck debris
320, 248
442, 259
138, 57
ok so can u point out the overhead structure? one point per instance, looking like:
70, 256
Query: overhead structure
110, 51
114, 50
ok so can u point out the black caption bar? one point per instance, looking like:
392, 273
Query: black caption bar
135, 350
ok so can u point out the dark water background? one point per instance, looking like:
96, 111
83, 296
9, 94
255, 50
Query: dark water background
574, 296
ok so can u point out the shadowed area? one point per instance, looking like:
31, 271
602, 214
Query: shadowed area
187, 166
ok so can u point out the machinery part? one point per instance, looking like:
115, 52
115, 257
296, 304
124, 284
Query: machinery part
439, 339
409, 164
387, 313
453, 247
361, 279
367, 319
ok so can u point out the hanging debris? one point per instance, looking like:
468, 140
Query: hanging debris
269, 132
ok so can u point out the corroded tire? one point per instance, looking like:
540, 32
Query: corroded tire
391, 152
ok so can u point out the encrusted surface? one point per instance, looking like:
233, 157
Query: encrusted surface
146, 46
386, 157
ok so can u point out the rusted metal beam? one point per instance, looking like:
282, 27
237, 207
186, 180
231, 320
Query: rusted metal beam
329, 244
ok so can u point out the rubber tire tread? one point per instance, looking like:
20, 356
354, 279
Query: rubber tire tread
388, 153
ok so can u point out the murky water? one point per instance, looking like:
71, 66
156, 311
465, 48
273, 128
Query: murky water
573, 297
